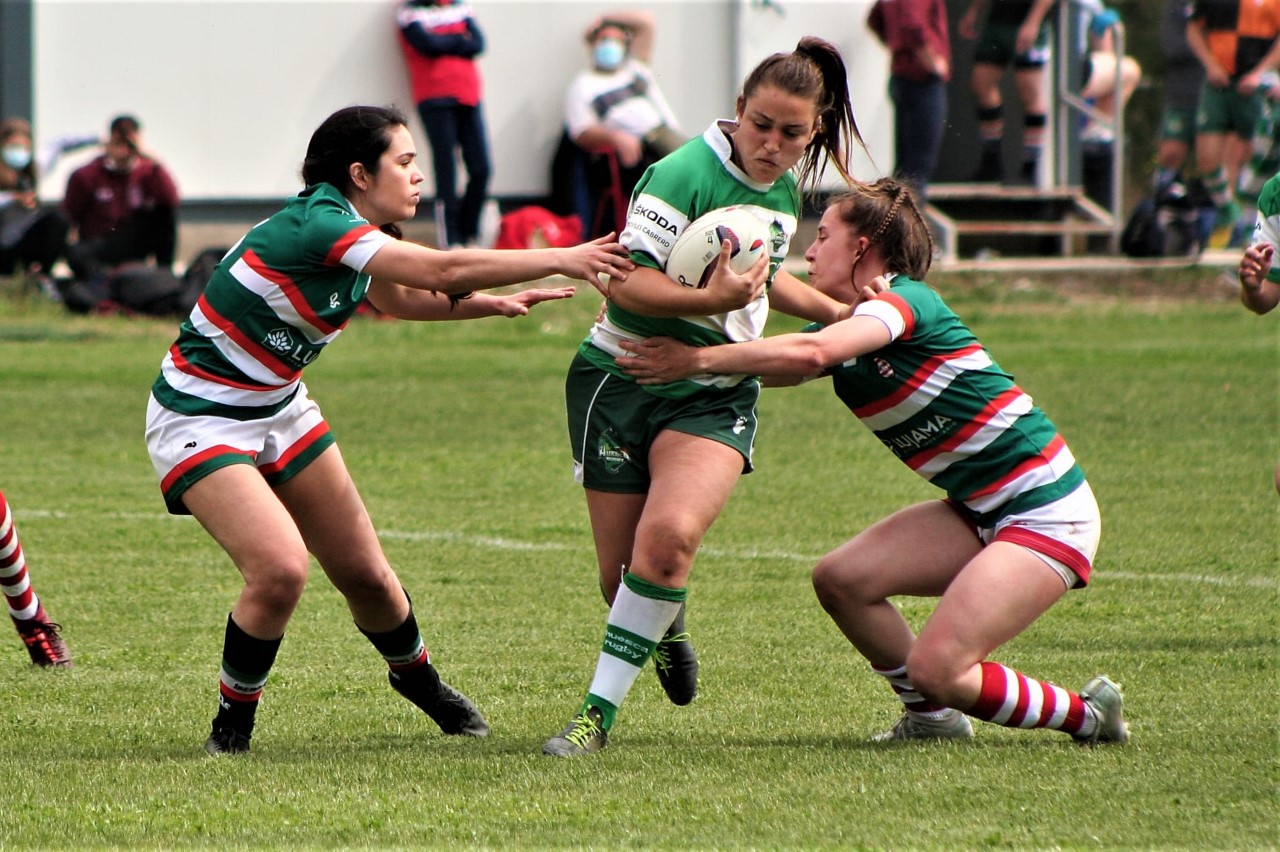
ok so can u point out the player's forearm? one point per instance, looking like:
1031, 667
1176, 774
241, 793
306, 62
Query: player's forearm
1262, 298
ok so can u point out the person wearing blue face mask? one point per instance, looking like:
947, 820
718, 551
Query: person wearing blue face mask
31, 238
617, 105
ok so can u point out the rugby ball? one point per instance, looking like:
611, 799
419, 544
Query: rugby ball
696, 252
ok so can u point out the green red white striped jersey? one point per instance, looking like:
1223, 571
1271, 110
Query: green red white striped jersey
274, 302
695, 179
938, 401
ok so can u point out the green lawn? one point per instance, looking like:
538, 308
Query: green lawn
456, 436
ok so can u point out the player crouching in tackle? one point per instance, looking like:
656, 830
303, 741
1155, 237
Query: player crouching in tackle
1018, 526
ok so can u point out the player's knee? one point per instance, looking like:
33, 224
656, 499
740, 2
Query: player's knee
280, 586
667, 558
838, 583
933, 674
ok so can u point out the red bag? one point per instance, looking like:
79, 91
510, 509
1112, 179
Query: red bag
538, 227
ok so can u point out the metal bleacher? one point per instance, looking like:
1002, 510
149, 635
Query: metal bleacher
1057, 217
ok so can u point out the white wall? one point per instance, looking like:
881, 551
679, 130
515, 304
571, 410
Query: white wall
229, 91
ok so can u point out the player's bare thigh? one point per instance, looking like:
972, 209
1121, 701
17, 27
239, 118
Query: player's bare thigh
691, 480
915, 551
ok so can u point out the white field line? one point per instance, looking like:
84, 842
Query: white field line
498, 543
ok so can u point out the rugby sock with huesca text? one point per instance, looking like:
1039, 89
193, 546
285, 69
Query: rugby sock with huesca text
246, 662
641, 614
402, 647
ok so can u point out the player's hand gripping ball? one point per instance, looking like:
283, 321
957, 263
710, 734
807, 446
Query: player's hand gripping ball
696, 252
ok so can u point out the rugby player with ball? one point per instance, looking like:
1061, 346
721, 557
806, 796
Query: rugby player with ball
659, 462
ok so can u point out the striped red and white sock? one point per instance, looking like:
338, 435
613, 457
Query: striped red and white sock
1014, 700
911, 700
14, 580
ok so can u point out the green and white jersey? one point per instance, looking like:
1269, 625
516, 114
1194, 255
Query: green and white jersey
938, 401
282, 294
695, 179
1267, 228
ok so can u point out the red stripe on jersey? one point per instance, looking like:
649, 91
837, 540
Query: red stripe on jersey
180, 361
259, 354
989, 413
200, 458
1051, 547
915, 381
900, 304
1040, 459
290, 290
342, 246
299, 447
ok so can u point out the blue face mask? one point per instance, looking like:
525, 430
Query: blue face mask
609, 54
16, 157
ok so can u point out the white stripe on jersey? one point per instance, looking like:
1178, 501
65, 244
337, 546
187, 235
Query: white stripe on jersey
220, 393
1055, 469
996, 426
934, 384
885, 312
363, 250
232, 352
274, 296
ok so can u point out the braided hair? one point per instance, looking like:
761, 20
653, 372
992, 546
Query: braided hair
888, 213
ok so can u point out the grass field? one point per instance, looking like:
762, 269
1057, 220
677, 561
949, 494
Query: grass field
455, 433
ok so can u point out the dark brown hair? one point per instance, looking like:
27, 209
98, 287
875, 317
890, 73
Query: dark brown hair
356, 134
887, 212
814, 70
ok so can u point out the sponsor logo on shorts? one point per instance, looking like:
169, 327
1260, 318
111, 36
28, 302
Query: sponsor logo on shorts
613, 455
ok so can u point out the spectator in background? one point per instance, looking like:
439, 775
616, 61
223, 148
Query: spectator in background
123, 206
1236, 43
1098, 84
441, 41
915, 31
1014, 33
32, 239
617, 104
1183, 79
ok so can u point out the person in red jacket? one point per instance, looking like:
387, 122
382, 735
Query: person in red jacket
123, 205
441, 40
915, 31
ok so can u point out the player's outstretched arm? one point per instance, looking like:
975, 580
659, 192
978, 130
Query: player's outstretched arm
660, 360
428, 306
422, 268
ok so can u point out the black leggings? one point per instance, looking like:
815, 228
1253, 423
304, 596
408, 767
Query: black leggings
147, 233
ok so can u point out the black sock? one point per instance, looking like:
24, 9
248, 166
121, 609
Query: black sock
246, 662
